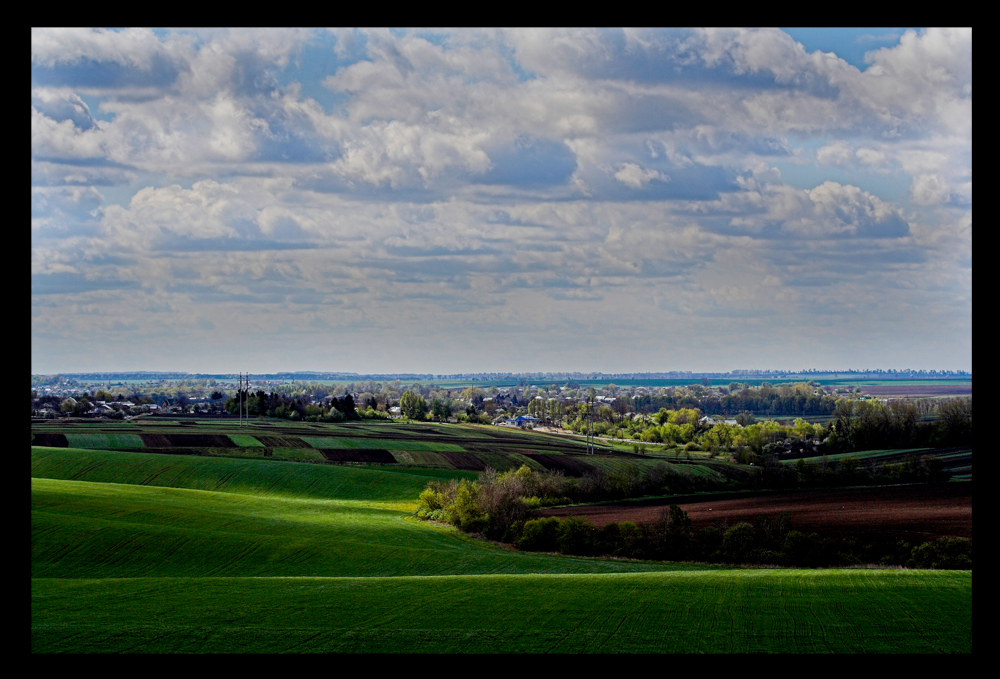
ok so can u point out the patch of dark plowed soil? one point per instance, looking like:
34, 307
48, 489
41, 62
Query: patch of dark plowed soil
882, 513
201, 440
281, 441
358, 455
155, 440
50, 440
463, 461
571, 466
515, 447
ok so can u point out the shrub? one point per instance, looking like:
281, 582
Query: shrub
947, 553
709, 541
539, 535
802, 549
607, 540
465, 511
576, 536
764, 556
897, 555
632, 541
431, 499
737, 541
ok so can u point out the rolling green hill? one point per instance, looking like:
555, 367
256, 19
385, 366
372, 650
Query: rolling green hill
146, 552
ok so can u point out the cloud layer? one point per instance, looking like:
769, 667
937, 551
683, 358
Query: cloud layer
498, 200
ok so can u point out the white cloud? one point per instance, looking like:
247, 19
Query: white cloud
133, 47
396, 153
63, 139
634, 176
869, 156
929, 189
837, 153
830, 210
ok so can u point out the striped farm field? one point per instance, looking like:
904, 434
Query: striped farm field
257, 477
379, 443
420, 458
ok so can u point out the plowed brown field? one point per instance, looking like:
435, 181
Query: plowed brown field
913, 512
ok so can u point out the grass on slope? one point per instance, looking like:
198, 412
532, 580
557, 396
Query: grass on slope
233, 475
360, 527
748, 611
105, 441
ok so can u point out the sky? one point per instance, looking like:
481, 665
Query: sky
511, 200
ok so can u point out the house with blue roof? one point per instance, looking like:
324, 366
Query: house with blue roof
521, 421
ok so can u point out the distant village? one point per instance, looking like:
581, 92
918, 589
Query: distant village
523, 405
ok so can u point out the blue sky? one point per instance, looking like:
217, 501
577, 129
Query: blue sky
501, 200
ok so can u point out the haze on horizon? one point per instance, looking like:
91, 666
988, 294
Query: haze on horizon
447, 201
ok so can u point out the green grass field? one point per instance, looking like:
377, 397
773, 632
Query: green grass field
748, 611
146, 552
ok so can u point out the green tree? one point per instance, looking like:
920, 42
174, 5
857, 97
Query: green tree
440, 410
536, 408
737, 541
413, 406
955, 417
621, 406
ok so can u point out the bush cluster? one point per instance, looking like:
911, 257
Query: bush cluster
502, 506
769, 541
500, 500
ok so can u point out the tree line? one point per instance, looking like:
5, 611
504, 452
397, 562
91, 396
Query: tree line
274, 404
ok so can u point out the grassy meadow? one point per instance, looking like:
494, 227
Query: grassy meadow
151, 552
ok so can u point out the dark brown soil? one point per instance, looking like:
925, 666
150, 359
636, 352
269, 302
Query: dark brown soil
913, 512
463, 461
50, 440
571, 466
155, 440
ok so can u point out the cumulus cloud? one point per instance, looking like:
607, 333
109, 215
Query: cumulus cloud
929, 189
634, 176
830, 210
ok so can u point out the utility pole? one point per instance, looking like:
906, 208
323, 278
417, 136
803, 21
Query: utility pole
239, 396
590, 422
